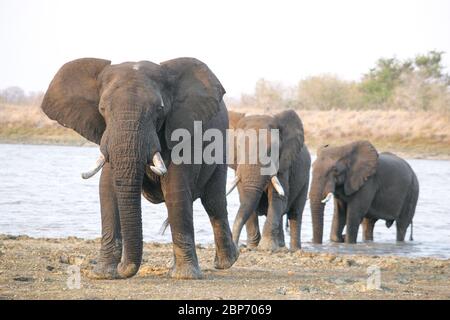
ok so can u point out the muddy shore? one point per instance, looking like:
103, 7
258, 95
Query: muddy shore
38, 269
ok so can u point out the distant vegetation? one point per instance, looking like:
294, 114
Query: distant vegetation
418, 84
401, 106
17, 96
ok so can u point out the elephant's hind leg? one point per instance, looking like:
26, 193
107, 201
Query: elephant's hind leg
409, 207
111, 243
215, 203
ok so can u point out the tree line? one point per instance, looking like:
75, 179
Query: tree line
420, 83
17, 96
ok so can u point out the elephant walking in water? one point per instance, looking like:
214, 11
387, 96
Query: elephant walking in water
285, 191
367, 186
131, 110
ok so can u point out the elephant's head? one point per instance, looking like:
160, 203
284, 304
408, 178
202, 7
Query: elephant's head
130, 110
346, 167
249, 179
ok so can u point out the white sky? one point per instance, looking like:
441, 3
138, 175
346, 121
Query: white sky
241, 41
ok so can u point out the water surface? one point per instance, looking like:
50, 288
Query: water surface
43, 195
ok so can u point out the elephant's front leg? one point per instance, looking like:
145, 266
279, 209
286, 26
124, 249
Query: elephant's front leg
273, 225
339, 220
357, 209
178, 200
281, 242
111, 243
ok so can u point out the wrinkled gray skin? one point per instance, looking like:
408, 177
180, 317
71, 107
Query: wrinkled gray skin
256, 193
131, 110
367, 186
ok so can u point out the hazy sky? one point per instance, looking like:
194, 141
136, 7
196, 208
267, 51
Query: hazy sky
241, 41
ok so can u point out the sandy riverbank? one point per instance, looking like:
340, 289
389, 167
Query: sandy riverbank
37, 269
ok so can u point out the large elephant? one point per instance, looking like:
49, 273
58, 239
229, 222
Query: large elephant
284, 192
131, 110
367, 186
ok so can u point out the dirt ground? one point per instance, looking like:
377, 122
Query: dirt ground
39, 269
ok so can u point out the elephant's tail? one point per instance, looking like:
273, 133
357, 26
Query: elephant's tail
164, 226
286, 228
411, 234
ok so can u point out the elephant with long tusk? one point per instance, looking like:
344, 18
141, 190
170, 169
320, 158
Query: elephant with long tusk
158, 166
272, 195
274, 181
131, 110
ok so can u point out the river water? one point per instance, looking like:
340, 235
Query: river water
43, 195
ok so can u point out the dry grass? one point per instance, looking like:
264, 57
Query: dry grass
28, 124
411, 133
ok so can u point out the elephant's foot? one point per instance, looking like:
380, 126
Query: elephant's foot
226, 258
295, 247
336, 238
104, 271
268, 244
252, 245
106, 268
185, 271
127, 270
253, 240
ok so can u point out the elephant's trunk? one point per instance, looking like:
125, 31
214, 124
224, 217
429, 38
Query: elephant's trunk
316, 197
317, 209
249, 199
130, 152
128, 183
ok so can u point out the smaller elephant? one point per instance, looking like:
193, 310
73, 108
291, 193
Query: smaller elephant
272, 195
367, 186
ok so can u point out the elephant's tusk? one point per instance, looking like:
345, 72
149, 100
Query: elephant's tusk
327, 198
159, 167
98, 165
232, 185
277, 185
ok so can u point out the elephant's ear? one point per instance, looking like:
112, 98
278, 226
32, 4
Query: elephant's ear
196, 94
234, 118
362, 163
291, 137
73, 96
